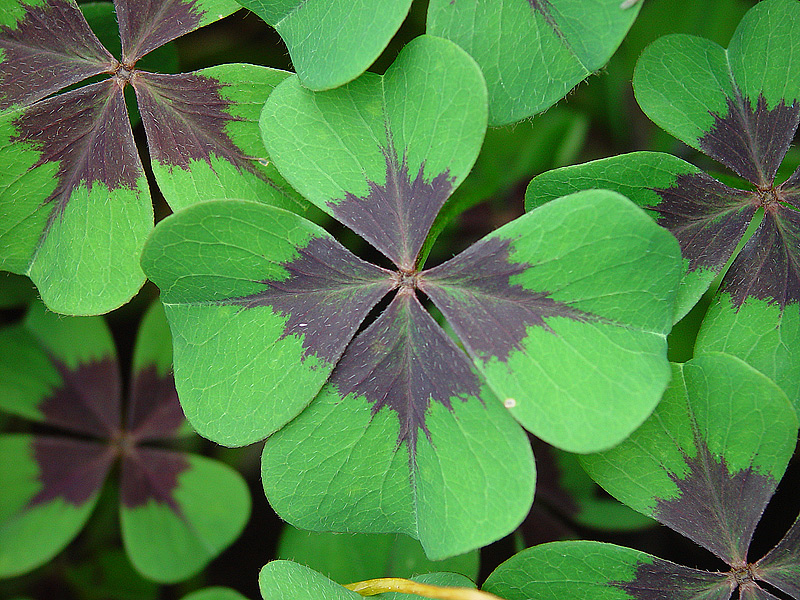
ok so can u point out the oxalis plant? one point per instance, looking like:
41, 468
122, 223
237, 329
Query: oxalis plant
397, 398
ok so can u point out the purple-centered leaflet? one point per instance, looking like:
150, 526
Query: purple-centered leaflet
705, 464
741, 106
63, 373
405, 429
76, 206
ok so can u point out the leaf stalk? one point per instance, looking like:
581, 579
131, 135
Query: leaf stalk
372, 587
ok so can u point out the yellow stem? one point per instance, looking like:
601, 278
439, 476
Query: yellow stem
372, 587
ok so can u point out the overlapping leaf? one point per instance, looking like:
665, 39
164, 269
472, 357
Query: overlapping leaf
382, 154
215, 593
286, 580
742, 107
761, 334
332, 42
706, 464
178, 511
584, 569
559, 310
532, 52
412, 444
76, 207
413, 435
360, 556
260, 322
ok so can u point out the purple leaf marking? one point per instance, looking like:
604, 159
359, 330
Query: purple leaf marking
395, 217
327, 295
768, 267
781, 566
88, 134
50, 48
144, 25
663, 580
404, 361
791, 189
185, 117
752, 591
71, 469
489, 314
153, 410
707, 217
752, 142
88, 401
716, 509
149, 473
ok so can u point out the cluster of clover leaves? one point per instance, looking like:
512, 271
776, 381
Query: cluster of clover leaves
377, 418
177, 510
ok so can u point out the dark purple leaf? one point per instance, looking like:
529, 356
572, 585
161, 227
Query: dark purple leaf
395, 217
88, 401
707, 217
88, 134
50, 48
752, 591
768, 267
70, 469
149, 473
489, 314
752, 141
781, 566
144, 25
326, 297
185, 117
791, 188
404, 361
153, 411
663, 580
715, 508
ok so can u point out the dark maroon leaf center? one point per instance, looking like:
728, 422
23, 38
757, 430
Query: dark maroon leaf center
663, 580
145, 25
395, 216
752, 141
69, 468
716, 508
404, 361
87, 133
151, 474
709, 219
326, 295
491, 314
87, 402
185, 117
50, 48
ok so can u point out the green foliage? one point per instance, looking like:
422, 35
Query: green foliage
177, 511
402, 348
354, 557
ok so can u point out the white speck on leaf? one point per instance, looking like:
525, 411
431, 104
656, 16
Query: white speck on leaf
509, 403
